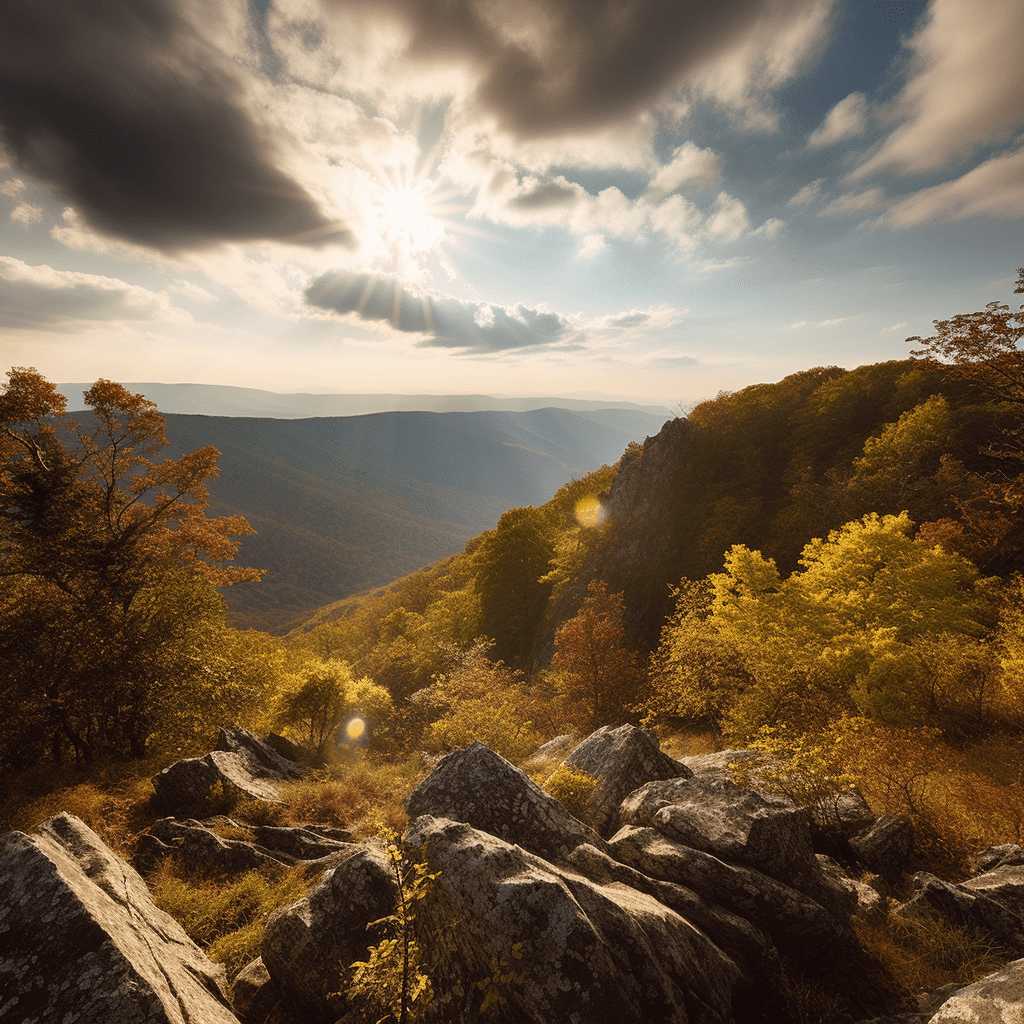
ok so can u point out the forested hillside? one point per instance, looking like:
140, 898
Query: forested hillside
342, 504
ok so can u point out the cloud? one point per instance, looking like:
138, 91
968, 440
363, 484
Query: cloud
133, 116
993, 189
965, 87
855, 202
446, 322
689, 165
895, 327
544, 197
62, 300
847, 119
551, 67
808, 194
729, 220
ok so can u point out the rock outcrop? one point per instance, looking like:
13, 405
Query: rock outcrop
480, 788
197, 847
589, 953
242, 766
81, 940
996, 999
308, 945
620, 760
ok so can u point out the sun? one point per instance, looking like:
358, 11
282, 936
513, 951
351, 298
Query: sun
406, 219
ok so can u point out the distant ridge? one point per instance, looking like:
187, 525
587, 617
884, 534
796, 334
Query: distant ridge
225, 400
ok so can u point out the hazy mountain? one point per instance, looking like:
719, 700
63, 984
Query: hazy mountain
346, 503
220, 400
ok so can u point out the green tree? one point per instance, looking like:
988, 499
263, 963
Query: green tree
510, 564
108, 571
601, 677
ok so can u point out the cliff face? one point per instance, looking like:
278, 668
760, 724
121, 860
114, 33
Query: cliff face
645, 528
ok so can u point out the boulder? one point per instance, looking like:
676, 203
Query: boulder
963, 906
551, 752
579, 951
997, 856
800, 927
482, 789
712, 814
293, 752
82, 940
1004, 884
242, 766
199, 849
240, 741
996, 999
620, 760
886, 846
307, 946
718, 763
253, 993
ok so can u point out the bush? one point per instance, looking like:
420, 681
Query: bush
572, 788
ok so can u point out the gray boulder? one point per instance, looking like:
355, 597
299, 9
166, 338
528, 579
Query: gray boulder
198, 848
242, 766
800, 927
482, 789
241, 741
717, 763
716, 816
620, 760
963, 906
307, 946
82, 940
253, 993
996, 999
593, 953
886, 847
1003, 884
997, 856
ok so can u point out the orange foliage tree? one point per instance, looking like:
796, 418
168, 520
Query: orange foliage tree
597, 672
108, 569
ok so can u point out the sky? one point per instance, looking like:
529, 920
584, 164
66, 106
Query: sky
645, 200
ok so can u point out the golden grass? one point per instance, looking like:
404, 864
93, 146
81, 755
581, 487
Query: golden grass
367, 797
226, 918
927, 953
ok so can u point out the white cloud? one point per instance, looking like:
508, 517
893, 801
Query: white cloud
895, 327
26, 214
965, 87
847, 119
62, 300
993, 189
855, 202
729, 219
592, 246
690, 165
808, 194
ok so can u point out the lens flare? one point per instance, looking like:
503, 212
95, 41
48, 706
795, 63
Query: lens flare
588, 511
355, 728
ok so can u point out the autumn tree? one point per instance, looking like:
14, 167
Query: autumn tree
852, 633
984, 348
599, 674
108, 570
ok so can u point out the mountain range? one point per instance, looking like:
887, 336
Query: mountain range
342, 504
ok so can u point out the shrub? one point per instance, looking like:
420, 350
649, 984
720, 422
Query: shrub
572, 788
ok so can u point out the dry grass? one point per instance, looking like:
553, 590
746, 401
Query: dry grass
114, 801
366, 798
688, 741
226, 918
927, 953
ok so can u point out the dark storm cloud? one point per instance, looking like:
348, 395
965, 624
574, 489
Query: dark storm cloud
447, 322
123, 109
602, 59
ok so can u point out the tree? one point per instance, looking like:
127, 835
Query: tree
984, 348
851, 633
318, 698
108, 569
600, 675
